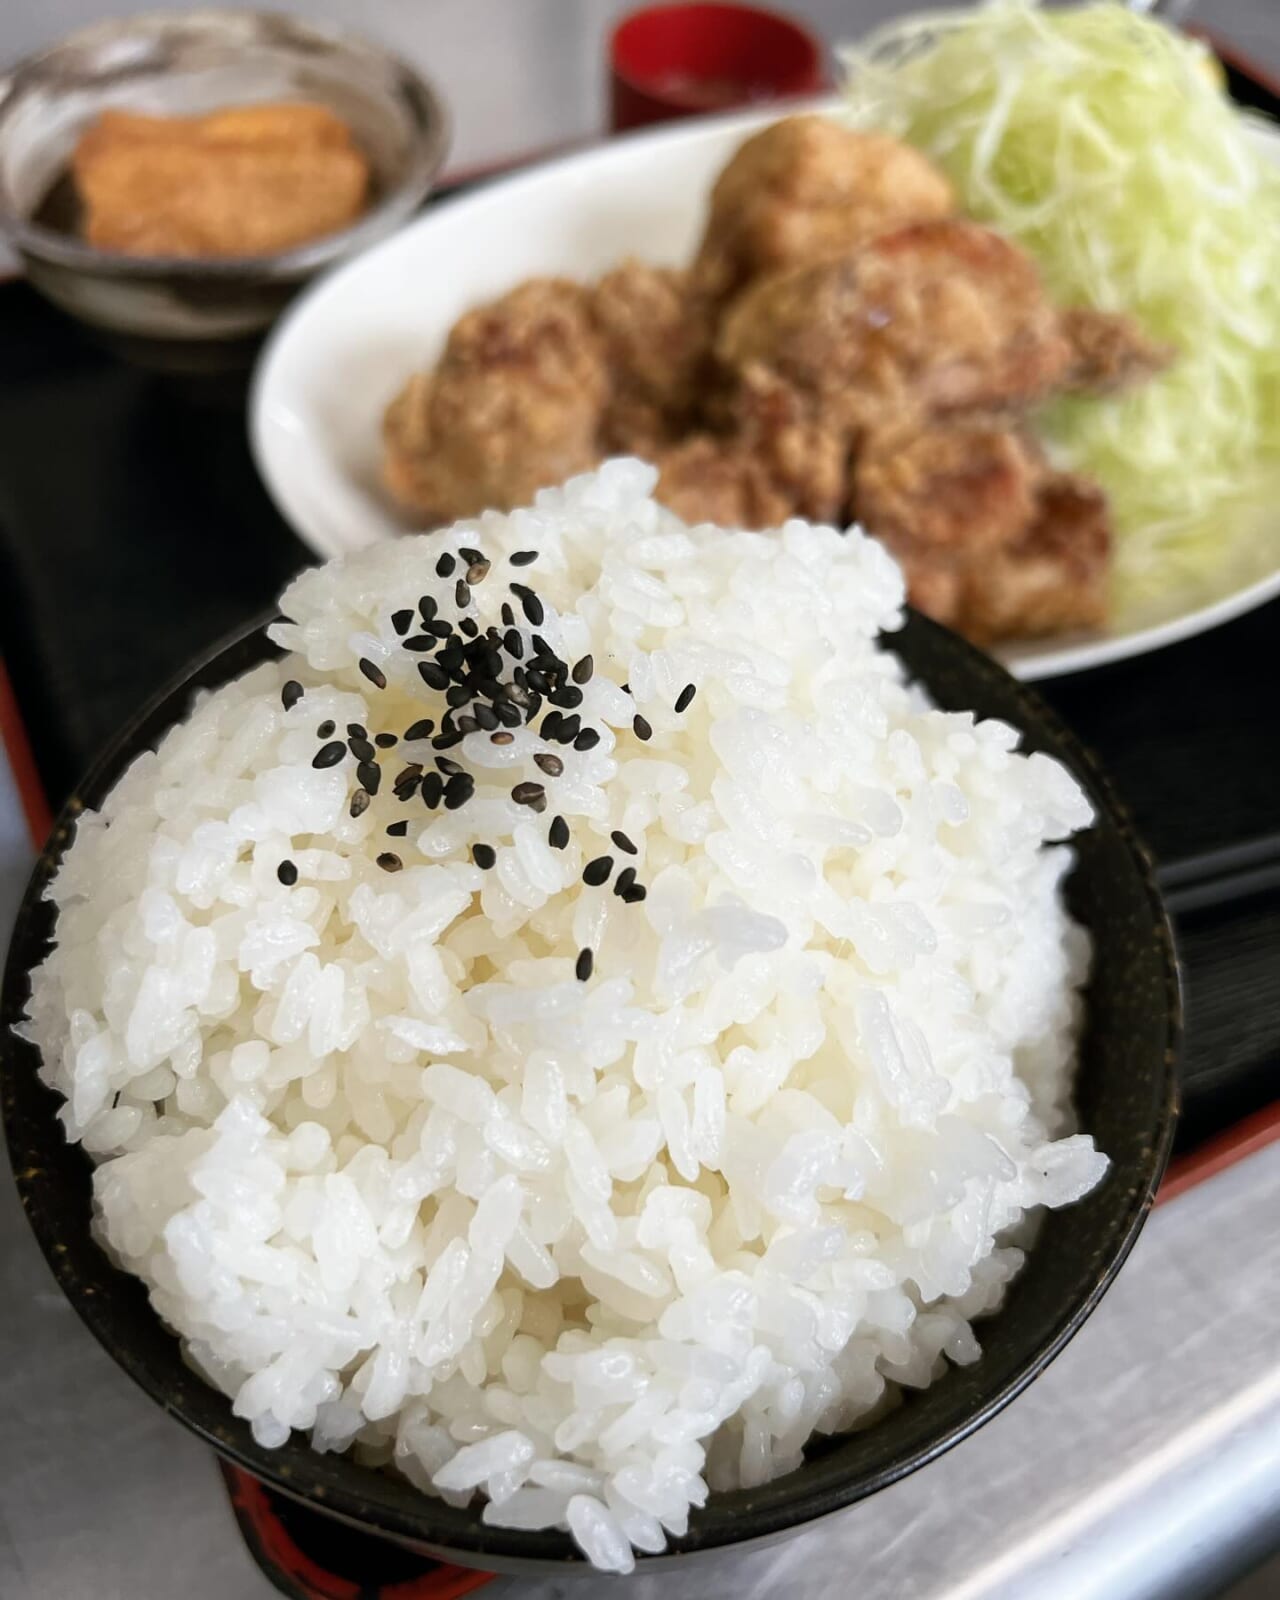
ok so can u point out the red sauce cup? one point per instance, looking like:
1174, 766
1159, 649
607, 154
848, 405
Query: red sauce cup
684, 60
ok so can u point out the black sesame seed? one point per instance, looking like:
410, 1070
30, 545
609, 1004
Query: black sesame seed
517, 693
588, 739
457, 695
529, 603
427, 607
468, 725
357, 730
550, 728
422, 729
447, 766
532, 795
290, 694
438, 628
568, 697
413, 770
551, 765
385, 741
469, 555
685, 698
640, 727
513, 644
558, 834
597, 872
537, 680
369, 776
502, 738
432, 790
397, 830
401, 621
326, 729
634, 895
361, 749
508, 615
458, 790
626, 688
389, 862
470, 627
421, 643
583, 965
433, 675
486, 717
478, 571
484, 856
624, 881
542, 648
569, 727
287, 873
533, 708
445, 566
446, 741
623, 843
373, 672
329, 755
508, 715
522, 558
405, 791
461, 594
360, 802
583, 669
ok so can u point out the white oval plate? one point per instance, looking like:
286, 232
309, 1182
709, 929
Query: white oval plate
350, 342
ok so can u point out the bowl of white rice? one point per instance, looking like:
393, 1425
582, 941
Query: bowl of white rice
588, 1039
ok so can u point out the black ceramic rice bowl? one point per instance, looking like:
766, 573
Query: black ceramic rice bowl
1125, 1093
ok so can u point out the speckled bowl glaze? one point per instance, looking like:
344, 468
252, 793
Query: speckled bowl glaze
1126, 1094
185, 65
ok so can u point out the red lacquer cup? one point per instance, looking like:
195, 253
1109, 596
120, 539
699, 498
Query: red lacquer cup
684, 60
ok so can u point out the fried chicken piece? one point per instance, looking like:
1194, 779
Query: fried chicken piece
806, 459
965, 487
708, 479
775, 460
657, 337
1109, 351
805, 188
936, 317
1053, 578
245, 181
516, 404
990, 541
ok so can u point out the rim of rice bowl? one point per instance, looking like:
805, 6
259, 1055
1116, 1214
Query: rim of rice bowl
665, 1087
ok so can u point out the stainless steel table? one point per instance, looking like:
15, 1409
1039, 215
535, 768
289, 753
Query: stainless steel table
1144, 1466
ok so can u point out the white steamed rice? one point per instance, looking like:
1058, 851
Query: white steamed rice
397, 1178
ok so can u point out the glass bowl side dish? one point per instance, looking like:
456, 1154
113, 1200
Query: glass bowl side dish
184, 66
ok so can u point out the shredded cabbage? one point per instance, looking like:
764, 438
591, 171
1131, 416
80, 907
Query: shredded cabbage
1103, 142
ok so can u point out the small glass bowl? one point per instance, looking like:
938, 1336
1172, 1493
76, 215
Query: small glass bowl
187, 65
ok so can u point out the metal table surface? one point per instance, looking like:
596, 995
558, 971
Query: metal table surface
1144, 1466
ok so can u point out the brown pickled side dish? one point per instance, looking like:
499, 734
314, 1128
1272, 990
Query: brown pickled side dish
248, 180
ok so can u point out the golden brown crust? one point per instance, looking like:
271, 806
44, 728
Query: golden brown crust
936, 317
808, 187
514, 406
1052, 579
706, 479
969, 485
656, 335
1109, 351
